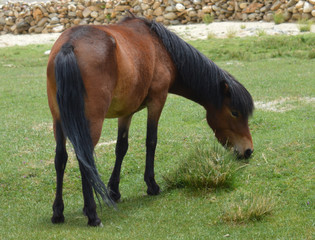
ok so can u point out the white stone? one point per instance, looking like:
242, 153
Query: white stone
207, 9
243, 5
307, 7
72, 8
299, 5
170, 9
313, 13
192, 13
215, 8
158, 12
54, 20
145, 6
180, 7
86, 12
58, 29
170, 16
156, 5
42, 22
94, 14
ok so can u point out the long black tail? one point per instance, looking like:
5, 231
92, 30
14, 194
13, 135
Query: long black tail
70, 98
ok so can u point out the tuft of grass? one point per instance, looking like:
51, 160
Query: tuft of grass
305, 25
248, 207
278, 18
207, 18
210, 35
205, 167
261, 33
311, 54
231, 33
243, 26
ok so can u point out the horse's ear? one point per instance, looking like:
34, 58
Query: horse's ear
225, 89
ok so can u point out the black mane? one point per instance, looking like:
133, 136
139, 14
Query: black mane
201, 74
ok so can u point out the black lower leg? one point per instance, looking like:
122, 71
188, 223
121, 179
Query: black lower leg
121, 150
89, 208
60, 165
151, 141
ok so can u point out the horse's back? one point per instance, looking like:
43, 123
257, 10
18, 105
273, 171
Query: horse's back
121, 65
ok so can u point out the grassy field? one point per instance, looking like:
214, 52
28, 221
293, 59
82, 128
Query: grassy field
280, 74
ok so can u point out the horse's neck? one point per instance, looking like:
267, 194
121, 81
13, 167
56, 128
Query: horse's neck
180, 89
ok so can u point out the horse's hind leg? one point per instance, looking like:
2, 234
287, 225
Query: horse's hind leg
121, 150
89, 208
60, 165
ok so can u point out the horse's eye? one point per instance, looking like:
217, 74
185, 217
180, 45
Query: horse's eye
235, 114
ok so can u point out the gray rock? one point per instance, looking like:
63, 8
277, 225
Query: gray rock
22, 26
54, 20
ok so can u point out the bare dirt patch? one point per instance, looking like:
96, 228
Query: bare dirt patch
283, 104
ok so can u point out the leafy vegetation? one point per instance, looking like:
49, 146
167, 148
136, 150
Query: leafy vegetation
271, 198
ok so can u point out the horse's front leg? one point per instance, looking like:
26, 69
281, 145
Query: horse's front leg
155, 106
151, 141
121, 150
60, 165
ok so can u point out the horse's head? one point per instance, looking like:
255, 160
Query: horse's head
230, 121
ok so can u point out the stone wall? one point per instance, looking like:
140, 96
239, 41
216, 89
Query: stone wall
56, 16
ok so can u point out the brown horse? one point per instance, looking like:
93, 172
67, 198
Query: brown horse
97, 72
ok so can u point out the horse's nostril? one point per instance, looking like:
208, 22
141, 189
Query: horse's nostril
248, 153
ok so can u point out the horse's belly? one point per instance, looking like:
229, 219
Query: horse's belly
124, 107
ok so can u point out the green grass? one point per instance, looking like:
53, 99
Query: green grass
305, 25
205, 167
278, 18
207, 18
272, 197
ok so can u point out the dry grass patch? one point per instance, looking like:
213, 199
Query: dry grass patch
248, 207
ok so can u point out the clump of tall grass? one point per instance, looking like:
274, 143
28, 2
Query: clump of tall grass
207, 18
311, 54
231, 33
205, 167
210, 35
248, 207
278, 18
261, 33
305, 25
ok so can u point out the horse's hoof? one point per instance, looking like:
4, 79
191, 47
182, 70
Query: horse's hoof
115, 196
95, 223
154, 190
57, 219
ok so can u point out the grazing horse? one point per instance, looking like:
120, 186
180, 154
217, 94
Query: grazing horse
98, 72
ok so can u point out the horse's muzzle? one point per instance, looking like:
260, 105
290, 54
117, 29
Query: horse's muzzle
248, 153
